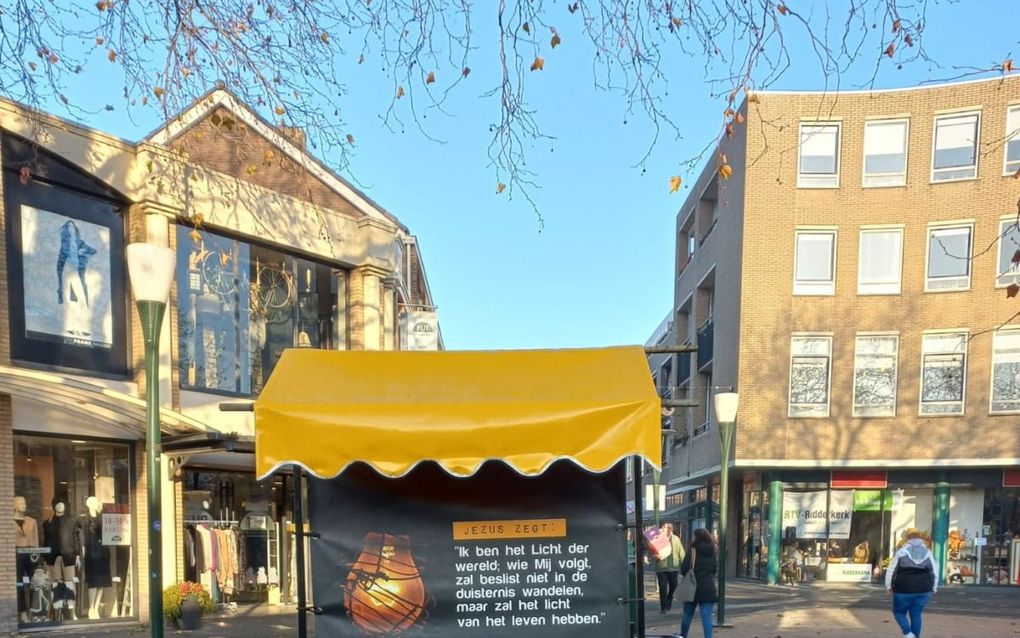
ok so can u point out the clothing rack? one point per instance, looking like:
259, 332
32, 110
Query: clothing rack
212, 522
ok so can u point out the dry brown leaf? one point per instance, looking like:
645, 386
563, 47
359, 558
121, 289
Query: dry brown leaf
538, 64
782, 9
111, 55
158, 92
400, 92
100, 41
279, 110
676, 22
555, 40
500, 187
324, 37
1007, 66
466, 72
891, 49
896, 25
526, 27
350, 139
729, 130
740, 118
431, 77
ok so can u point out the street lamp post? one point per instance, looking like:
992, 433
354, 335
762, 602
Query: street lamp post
151, 269
726, 415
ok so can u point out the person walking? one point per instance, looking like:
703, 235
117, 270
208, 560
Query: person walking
667, 570
702, 554
912, 579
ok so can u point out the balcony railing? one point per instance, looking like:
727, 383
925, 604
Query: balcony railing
683, 371
706, 334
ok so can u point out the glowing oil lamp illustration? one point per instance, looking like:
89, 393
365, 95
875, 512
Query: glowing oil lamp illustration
384, 593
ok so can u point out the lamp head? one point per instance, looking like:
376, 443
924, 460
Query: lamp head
726, 407
151, 269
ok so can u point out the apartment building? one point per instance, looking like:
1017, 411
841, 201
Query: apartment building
273, 251
851, 280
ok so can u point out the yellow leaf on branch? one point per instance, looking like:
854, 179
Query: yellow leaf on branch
725, 171
555, 40
674, 183
280, 110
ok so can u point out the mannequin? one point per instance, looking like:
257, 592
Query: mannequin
97, 556
64, 558
26, 534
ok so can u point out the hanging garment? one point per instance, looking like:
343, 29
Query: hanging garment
97, 555
59, 535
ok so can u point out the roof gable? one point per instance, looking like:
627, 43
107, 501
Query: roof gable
220, 98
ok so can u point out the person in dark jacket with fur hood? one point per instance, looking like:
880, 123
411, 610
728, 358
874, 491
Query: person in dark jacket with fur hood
912, 579
702, 552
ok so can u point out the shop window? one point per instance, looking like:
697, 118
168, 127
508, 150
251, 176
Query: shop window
943, 373
1006, 371
240, 305
880, 261
819, 155
949, 249
875, 375
885, 153
809, 376
65, 265
73, 514
955, 147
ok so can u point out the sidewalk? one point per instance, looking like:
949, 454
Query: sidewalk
755, 611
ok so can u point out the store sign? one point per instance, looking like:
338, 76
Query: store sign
1011, 478
497, 554
419, 330
858, 479
116, 525
871, 500
806, 511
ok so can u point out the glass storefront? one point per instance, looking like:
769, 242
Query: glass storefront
74, 534
243, 519
240, 305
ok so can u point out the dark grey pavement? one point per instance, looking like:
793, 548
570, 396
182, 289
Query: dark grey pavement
755, 610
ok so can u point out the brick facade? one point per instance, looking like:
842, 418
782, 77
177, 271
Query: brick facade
8, 567
749, 257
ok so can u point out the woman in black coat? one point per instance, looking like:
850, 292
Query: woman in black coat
702, 552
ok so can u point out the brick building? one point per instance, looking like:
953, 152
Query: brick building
850, 282
274, 251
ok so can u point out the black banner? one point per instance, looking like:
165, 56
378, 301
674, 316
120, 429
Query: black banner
496, 554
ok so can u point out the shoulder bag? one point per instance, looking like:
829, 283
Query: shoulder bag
688, 586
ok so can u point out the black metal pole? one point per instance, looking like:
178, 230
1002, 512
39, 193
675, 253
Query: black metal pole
639, 545
299, 549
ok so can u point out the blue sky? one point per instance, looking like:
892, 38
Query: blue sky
600, 272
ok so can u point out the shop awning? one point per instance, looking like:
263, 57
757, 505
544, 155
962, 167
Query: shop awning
392, 410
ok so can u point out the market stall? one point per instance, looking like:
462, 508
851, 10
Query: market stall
462, 491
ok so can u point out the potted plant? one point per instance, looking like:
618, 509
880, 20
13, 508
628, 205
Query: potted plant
184, 603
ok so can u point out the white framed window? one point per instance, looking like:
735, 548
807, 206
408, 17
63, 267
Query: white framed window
885, 152
814, 271
1009, 243
880, 262
875, 375
818, 160
1012, 161
949, 256
954, 147
810, 357
943, 373
1005, 395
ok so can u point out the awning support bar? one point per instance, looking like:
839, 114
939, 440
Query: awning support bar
299, 541
237, 406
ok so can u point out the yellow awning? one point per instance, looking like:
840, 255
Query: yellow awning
325, 410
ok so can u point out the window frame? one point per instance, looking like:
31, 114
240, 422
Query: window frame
879, 288
977, 147
809, 288
1006, 171
896, 374
1005, 278
965, 335
828, 382
991, 375
819, 180
906, 154
934, 227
